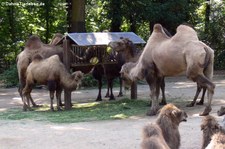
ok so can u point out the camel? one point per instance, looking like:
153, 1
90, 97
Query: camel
213, 134
164, 134
152, 138
164, 56
33, 46
51, 72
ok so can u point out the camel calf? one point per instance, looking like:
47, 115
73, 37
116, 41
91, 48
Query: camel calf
164, 134
213, 134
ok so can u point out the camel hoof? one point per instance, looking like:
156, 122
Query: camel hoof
221, 111
112, 98
200, 103
152, 111
61, 104
163, 103
190, 105
206, 111
120, 95
98, 99
59, 109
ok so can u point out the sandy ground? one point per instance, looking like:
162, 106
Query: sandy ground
113, 134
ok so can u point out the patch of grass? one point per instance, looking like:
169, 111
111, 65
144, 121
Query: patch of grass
93, 111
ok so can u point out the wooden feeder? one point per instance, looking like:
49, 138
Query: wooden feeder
77, 44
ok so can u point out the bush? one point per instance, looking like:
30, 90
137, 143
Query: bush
10, 76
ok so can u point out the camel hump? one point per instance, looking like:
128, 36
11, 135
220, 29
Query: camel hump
34, 42
158, 28
37, 57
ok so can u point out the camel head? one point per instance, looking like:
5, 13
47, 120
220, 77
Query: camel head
56, 38
125, 73
175, 114
34, 42
124, 46
209, 127
77, 77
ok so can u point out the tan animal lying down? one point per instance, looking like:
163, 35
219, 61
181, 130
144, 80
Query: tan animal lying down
164, 134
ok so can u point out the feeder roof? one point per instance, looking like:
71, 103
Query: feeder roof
103, 38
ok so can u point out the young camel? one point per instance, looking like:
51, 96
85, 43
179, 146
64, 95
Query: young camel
50, 72
164, 134
33, 46
213, 134
164, 56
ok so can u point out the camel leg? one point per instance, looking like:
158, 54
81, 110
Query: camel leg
162, 86
58, 99
107, 93
121, 87
201, 102
58, 95
154, 89
52, 98
196, 96
52, 86
111, 89
206, 83
99, 97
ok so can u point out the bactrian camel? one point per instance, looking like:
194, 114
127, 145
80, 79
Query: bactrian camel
33, 46
50, 72
164, 56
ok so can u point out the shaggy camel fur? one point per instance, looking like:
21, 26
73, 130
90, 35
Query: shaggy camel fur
167, 124
164, 56
152, 138
211, 130
53, 73
33, 46
217, 142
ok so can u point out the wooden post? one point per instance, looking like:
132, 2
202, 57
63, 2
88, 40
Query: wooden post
66, 61
133, 94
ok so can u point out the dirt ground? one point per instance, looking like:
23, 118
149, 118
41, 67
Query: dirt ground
112, 134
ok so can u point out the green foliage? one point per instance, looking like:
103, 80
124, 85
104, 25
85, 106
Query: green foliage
89, 81
82, 112
10, 77
214, 35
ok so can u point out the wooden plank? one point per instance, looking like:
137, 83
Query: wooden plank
133, 94
66, 61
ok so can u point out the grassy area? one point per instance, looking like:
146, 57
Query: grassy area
82, 112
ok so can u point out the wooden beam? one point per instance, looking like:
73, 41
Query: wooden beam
66, 61
133, 94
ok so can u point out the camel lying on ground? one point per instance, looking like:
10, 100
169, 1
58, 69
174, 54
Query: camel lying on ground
213, 134
33, 46
165, 133
164, 56
50, 72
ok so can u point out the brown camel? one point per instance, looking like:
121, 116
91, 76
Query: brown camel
213, 134
152, 138
33, 46
164, 56
165, 133
51, 72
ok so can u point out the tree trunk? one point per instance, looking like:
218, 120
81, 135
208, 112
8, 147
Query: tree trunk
77, 16
207, 15
115, 12
47, 9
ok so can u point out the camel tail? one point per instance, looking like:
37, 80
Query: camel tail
209, 62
